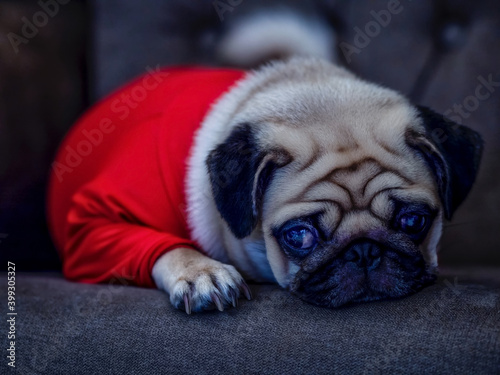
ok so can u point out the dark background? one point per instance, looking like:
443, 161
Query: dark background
435, 52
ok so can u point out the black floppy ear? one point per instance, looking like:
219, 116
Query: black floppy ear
453, 152
240, 171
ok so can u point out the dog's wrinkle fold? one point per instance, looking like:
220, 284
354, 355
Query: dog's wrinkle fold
349, 188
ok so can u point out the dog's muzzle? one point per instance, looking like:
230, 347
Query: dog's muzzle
365, 270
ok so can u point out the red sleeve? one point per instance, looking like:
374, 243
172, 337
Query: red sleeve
106, 243
127, 216
116, 195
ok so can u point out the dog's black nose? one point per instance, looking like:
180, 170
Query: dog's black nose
364, 253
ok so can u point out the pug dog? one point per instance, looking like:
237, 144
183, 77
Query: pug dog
305, 175
333, 187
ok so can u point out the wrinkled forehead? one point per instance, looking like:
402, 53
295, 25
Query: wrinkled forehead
355, 152
346, 117
356, 161
346, 139
365, 186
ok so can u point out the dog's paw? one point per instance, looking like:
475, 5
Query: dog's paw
208, 286
196, 282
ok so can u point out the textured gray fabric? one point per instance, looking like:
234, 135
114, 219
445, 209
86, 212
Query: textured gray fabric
67, 328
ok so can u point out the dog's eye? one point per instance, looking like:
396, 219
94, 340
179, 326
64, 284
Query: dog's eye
412, 223
301, 238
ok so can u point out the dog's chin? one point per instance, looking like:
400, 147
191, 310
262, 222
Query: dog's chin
342, 282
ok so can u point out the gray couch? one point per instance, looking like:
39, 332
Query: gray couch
68, 328
436, 52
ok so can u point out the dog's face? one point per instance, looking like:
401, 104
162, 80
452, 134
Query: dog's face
347, 183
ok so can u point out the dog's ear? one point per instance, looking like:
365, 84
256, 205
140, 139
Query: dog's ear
240, 171
453, 152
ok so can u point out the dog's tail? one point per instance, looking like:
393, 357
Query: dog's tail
265, 35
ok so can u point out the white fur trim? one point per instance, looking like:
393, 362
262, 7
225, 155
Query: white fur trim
203, 216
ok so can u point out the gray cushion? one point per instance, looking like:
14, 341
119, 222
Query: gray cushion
65, 327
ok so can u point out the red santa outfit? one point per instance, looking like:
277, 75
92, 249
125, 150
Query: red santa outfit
116, 197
